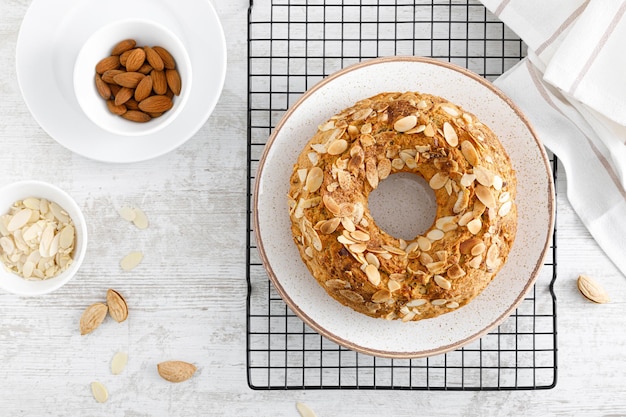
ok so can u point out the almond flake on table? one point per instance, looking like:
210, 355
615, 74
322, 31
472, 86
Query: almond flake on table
131, 260
304, 410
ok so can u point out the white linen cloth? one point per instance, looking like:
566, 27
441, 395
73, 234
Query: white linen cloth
572, 88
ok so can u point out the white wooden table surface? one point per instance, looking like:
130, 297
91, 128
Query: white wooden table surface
187, 298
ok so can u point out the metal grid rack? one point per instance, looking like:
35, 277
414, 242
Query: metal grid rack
293, 44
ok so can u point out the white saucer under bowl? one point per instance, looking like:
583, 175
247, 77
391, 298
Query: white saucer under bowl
51, 36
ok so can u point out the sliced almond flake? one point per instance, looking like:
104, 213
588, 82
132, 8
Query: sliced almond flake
131, 260
127, 213
474, 226
485, 196
118, 363
439, 302
301, 177
337, 147
60, 214
406, 123
304, 410
372, 259
99, 392
498, 182
314, 179
140, 220
435, 234
313, 158
450, 134
373, 275
46, 240
505, 209
19, 220
483, 176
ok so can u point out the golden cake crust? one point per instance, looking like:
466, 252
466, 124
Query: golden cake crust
362, 266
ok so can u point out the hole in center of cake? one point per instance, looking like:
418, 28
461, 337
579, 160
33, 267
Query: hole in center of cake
403, 205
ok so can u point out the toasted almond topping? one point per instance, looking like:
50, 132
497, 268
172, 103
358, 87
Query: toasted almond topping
483, 176
405, 123
455, 272
450, 134
475, 262
371, 173
429, 131
435, 234
416, 303
337, 147
478, 249
467, 179
384, 168
393, 285
492, 260
329, 226
439, 180
372, 259
337, 284
469, 152
438, 302
352, 296
505, 209
381, 296
424, 243
474, 226
360, 236
442, 282
314, 179
373, 275
485, 196
462, 201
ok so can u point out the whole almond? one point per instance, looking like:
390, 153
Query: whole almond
173, 80
159, 82
118, 310
92, 317
124, 57
128, 79
132, 104
123, 95
135, 59
103, 88
136, 116
123, 46
154, 58
156, 104
108, 63
168, 59
114, 89
145, 69
107, 76
115, 109
144, 88
176, 371
592, 290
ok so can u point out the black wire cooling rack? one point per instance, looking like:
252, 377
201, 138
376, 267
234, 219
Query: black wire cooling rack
291, 46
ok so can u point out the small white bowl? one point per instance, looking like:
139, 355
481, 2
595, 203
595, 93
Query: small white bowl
99, 46
11, 193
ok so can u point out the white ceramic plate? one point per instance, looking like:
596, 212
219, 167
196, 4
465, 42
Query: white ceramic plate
394, 338
50, 38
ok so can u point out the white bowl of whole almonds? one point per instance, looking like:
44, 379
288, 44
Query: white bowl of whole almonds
132, 77
43, 238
